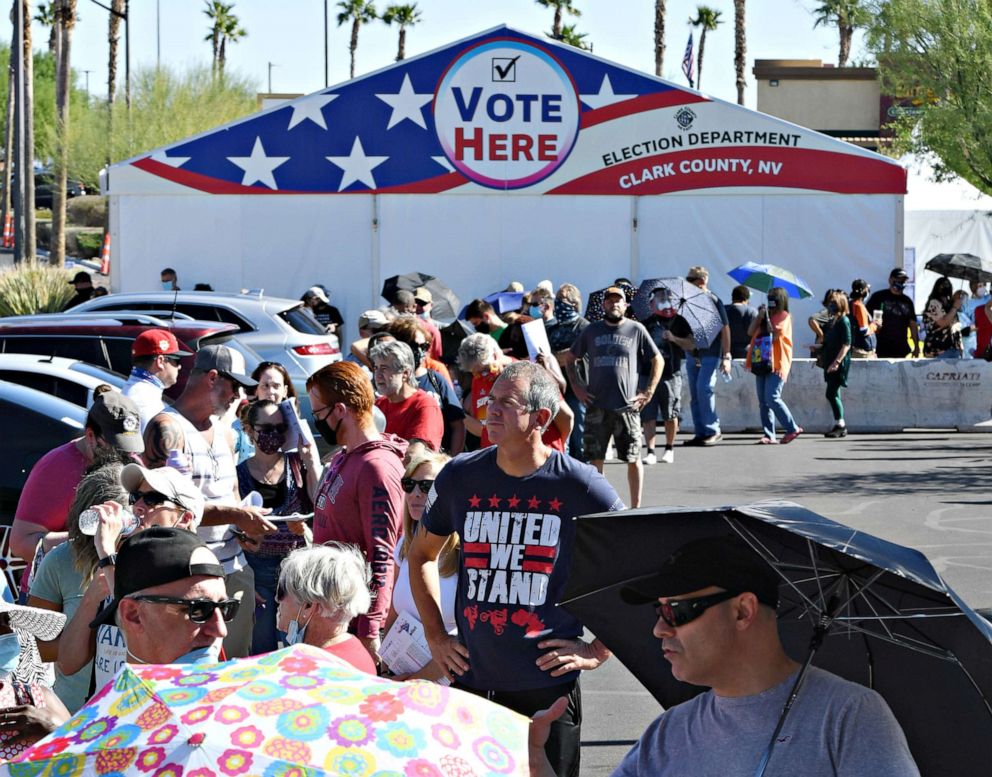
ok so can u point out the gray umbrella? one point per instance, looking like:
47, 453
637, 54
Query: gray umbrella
966, 266
696, 306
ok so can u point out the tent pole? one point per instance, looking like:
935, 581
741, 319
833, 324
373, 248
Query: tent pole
376, 259
635, 270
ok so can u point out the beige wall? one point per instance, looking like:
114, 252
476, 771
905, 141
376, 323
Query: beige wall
822, 104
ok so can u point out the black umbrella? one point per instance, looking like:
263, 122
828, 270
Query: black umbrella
892, 622
446, 304
696, 306
594, 305
966, 266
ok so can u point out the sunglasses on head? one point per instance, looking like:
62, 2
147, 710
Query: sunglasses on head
682, 611
198, 610
280, 428
150, 498
409, 484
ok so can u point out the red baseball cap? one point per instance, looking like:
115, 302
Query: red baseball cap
157, 342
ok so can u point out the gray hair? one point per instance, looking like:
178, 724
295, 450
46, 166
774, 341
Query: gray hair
334, 576
397, 355
475, 351
101, 484
542, 390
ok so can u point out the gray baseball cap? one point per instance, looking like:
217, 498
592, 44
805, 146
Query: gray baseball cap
119, 421
227, 362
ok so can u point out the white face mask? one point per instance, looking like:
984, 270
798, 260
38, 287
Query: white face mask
296, 633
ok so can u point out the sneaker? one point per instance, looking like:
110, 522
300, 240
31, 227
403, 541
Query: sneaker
837, 431
787, 438
650, 459
713, 439
668, 457
693, 442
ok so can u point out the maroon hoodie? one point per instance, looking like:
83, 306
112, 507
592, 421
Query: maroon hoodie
360, 502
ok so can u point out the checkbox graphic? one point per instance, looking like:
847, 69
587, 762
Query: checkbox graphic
505, 69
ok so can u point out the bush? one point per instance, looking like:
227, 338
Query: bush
88, 242
90, 210
34, 288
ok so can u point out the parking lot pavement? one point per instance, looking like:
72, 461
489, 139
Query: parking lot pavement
927, 490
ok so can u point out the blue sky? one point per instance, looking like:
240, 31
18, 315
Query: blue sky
289, 33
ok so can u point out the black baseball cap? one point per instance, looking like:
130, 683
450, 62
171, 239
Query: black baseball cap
153, 557
900, 274
723, 561
81, 277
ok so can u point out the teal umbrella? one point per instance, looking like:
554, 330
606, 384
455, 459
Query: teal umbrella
762, 277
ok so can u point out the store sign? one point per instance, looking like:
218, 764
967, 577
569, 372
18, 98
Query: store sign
506, 114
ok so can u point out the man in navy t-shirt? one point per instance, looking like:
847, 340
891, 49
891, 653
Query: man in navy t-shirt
512, 505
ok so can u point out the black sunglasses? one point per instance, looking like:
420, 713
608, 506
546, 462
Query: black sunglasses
150, 498
409, 484
682, 611
198, 610
281, 428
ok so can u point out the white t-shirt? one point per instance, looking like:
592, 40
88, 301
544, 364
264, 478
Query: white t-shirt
403, 595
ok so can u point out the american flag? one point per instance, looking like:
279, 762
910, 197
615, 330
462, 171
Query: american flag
687, 65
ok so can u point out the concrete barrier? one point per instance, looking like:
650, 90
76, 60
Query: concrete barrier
883, 395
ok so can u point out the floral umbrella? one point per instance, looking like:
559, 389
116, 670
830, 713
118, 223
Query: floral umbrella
298, 712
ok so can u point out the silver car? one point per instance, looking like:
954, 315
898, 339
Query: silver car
68, 379
279, 330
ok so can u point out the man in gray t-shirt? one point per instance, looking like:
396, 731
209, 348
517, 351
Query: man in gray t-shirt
617, 350
716, 603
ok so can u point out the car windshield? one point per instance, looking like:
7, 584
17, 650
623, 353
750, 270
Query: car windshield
115, 379
302, 320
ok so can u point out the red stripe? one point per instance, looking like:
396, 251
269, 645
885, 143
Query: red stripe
540, 550
827, 171
646, 102
538, 566
475, 547
477, 563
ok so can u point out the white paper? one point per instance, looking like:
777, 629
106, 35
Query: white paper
405, 647
536, 337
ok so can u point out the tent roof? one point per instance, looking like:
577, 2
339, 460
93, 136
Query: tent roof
507, 111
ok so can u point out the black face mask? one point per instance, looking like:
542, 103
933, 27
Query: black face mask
324, 430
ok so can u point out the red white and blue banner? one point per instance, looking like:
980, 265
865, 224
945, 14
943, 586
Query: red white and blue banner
504, 111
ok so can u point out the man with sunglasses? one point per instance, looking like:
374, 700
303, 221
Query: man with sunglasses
716, 599
155, 358
170, 600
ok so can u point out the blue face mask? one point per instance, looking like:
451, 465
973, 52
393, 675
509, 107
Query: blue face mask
10, 653
204, 655
535, 311
166, 285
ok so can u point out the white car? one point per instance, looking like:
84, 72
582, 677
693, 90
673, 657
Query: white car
68, 379
278, 330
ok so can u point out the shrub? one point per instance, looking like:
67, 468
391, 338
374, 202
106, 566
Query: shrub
33, 288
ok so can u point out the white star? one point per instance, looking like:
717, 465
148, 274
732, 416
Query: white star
357, 166
258, 167
443, 161
605, 96
406, 104
171, 161
310, 108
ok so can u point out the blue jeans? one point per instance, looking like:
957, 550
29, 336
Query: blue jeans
771, 406
576, 449
265, 635
702, 381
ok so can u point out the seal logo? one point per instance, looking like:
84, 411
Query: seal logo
506, 114
684, 117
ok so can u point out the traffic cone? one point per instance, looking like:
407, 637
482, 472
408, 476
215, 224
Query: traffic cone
8, 231
105, 255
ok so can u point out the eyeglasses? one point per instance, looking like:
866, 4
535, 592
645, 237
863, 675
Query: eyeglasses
683, 611
150, 498
198, 610
325, 410
409, 484
266, 428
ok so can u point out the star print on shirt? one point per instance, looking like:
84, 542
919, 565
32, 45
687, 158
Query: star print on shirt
513, 501
494, 501
474, 501
533, 503
555, 505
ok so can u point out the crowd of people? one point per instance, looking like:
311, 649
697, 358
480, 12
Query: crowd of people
438, 493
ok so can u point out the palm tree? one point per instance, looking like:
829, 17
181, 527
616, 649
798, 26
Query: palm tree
27, 60
46, 18
405, 16
224, 27
707, 19
358, 12
231, 31
659, 36
740, 48
66, 20
571, 37
847, 15
113, 36
560, 6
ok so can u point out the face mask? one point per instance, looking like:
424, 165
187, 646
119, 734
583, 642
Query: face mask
166, 285
270, 442
565, 311
981, 291
419, 351
772, 303
204, 655
832, 308
898, 286
324, 430
10, 653
482, 328
425, 315
535, 312
295, 633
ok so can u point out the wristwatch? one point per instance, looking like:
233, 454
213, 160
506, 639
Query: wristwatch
107, 561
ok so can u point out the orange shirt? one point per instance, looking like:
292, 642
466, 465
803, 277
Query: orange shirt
781, 344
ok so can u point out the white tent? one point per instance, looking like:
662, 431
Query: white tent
501, 157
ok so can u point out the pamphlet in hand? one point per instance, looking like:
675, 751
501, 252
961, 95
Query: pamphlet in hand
536, 337
298, 431
405, 647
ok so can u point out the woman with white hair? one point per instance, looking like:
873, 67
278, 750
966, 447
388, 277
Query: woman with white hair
321, 590
411, 413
